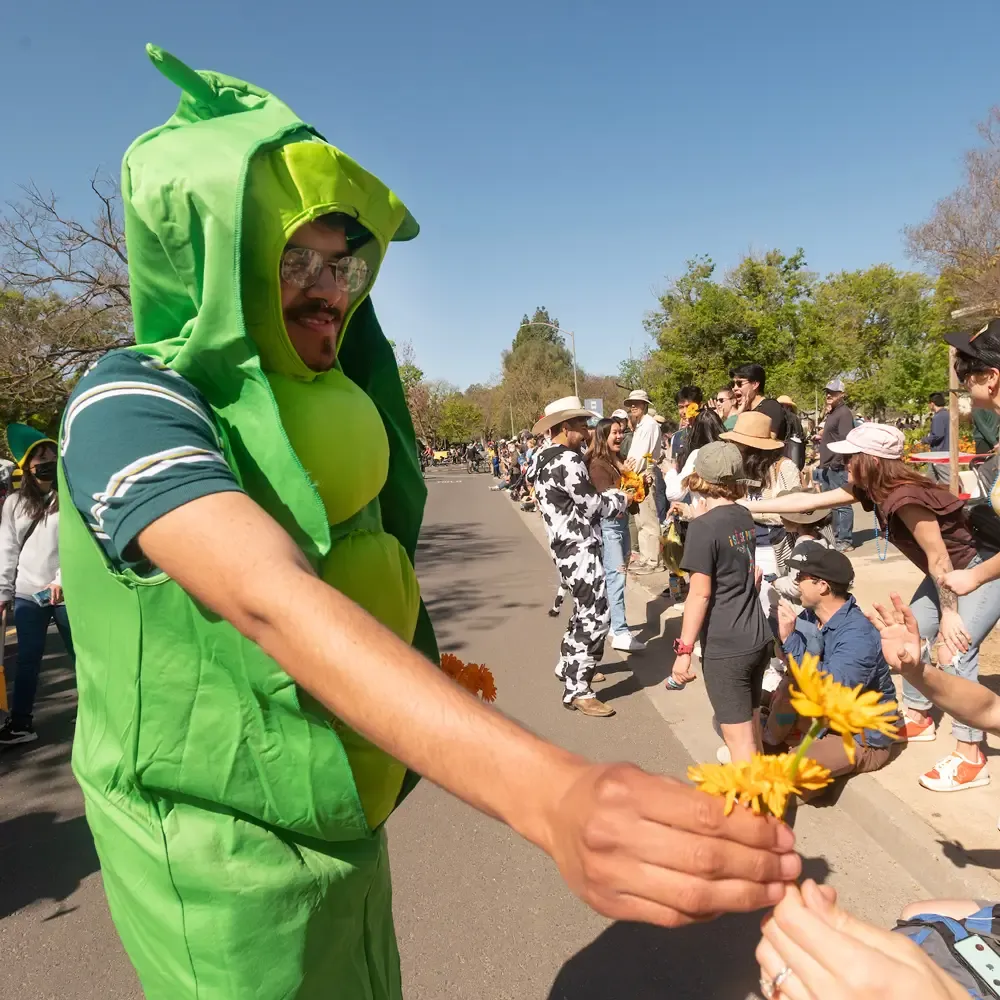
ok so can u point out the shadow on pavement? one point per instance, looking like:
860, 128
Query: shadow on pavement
962, 857
445, 542
642, 962
41, 858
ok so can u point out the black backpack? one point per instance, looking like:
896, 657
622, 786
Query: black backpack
983, 521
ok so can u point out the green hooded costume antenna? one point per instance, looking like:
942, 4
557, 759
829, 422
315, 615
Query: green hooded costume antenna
239, 825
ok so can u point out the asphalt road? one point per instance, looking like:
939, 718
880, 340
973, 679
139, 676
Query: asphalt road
480, 913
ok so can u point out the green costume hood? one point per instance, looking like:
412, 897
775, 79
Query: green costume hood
22, 441
187, 229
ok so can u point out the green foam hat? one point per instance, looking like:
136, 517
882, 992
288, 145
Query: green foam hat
22, 440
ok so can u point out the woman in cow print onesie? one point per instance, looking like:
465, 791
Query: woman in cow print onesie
572, 510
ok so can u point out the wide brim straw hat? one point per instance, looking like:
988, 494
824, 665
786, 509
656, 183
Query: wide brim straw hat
559, 410
788, 401
754, 430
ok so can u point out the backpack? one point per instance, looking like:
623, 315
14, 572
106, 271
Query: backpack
982, 519
937, 936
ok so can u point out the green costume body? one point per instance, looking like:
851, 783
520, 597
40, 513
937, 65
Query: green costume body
240, 826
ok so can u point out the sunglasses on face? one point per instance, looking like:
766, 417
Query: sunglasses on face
303, 267
722, 399
740, 382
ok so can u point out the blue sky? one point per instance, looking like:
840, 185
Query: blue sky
571, 155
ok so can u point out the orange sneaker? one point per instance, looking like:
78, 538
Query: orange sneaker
917, 732
954, 772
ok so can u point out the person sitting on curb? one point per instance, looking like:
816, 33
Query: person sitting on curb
852, 652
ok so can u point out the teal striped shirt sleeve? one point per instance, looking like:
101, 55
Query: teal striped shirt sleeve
137, 442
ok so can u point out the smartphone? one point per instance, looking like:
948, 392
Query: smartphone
980, 956
43, 598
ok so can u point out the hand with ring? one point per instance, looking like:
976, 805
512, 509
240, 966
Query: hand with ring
813, 950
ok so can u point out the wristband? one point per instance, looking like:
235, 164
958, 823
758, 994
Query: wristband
683, 648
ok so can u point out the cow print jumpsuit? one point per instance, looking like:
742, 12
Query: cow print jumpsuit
572, 510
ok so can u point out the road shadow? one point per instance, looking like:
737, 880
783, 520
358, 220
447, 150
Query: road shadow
963, 857
43, 858
641, 962
441, 544
651, 666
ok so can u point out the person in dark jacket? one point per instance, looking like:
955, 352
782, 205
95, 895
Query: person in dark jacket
832, 468
795, 439
852, 650
936, 438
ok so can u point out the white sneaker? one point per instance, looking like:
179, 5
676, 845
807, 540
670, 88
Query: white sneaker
626, 642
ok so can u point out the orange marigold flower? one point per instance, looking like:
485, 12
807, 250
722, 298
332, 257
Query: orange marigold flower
474, 677
451, 665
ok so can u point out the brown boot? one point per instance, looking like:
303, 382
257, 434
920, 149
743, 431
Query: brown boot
598, 678
590, 706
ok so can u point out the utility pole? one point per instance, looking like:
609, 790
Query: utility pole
511, 419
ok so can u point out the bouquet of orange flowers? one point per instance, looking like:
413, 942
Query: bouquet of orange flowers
631, 480
474, 677
765, 783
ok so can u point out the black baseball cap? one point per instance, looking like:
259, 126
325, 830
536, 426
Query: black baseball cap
966, 342
815, 560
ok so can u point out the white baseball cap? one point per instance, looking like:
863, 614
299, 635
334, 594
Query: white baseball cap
879, 440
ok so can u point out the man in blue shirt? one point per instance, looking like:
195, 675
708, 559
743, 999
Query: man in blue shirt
936, 438
852, 650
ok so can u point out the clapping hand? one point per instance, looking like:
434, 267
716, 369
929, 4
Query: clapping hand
787, 616
900, 634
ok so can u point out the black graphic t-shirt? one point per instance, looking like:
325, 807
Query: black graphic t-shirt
720, 543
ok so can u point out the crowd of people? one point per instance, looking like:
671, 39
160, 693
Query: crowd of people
259, 682
765, 556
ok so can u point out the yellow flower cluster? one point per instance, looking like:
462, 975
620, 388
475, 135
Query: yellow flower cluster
691, 410
474, 677
633, 481
764, 783
847, 711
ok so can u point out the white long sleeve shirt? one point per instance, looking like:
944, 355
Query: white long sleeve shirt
646, 440
26, 567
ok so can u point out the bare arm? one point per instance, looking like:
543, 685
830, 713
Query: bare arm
926, 530
695, 610
800, 503
965, 581
632, 845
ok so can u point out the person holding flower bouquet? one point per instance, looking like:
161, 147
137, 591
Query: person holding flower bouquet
722, 606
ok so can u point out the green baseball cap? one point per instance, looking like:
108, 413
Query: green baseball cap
719, 463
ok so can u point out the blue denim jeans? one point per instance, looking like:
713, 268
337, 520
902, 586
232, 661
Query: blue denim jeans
32, 623
843, 517
617, 549
980, 611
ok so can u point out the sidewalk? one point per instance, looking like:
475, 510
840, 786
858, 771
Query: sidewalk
948, 843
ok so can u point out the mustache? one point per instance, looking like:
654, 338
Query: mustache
308, 309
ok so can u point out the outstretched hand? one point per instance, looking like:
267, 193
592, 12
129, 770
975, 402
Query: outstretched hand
900, 634
637, 846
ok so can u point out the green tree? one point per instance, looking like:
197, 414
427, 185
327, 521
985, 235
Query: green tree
460, 420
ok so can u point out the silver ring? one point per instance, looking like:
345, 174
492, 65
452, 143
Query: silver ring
772, 987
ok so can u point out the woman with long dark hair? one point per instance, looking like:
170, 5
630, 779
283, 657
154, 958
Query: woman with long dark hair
605, 463
928, 524
29, 571
706, 427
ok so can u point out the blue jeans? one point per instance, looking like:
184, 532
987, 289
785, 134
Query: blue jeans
617, 549
32, 622
843, 517
980, 611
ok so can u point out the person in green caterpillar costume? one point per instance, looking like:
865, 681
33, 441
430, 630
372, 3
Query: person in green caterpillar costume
257, 675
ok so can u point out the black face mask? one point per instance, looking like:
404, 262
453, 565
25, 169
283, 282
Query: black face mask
45, 471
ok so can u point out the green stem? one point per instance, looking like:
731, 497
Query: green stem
814, 729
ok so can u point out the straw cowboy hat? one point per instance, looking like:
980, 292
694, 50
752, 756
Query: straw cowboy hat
556, 412
753, 429
802, 517
788, 401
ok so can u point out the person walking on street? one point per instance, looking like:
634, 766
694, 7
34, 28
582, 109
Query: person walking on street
748, 387
605, 465
29, 571
644, 452
832, 468
795, 439
572, 511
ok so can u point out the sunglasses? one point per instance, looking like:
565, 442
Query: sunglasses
722, 399
303, 267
